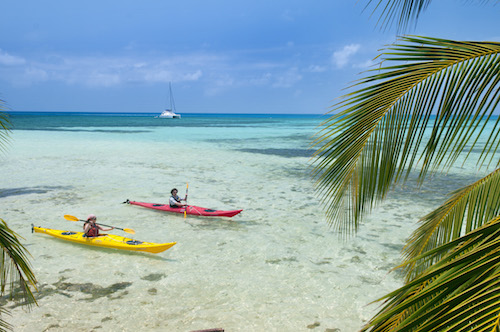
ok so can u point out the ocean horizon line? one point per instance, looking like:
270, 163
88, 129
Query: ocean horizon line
11, 112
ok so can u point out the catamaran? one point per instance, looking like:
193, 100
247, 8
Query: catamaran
170, 113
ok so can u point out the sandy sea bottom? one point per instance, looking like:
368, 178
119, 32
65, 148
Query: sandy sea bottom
277, 266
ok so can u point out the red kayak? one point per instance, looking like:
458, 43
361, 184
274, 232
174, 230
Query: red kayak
191, 209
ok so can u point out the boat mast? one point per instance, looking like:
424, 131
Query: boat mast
172, 102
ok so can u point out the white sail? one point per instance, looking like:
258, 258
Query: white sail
170, 113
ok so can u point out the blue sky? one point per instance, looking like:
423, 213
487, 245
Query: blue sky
260, 56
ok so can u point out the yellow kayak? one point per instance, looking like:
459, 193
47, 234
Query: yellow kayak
106, 240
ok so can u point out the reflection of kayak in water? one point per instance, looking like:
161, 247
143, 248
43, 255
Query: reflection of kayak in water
106, 240
191, 209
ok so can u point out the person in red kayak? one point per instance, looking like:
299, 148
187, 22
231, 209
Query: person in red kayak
175, 201
91, 229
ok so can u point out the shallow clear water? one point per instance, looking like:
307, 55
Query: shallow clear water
277, 266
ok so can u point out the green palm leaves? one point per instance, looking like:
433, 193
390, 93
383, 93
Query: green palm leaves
16, 276
4, 126
429, 106
402, 11
466, 210
15, 272
459, 293
384, 129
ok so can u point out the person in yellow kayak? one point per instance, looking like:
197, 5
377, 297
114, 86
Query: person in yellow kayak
91, 229
175, 201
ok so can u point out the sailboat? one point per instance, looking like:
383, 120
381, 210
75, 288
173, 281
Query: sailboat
169, 113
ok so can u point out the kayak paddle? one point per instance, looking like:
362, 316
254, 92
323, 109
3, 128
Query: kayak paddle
73, 218
186, 200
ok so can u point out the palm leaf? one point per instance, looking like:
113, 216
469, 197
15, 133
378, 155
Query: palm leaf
16, 275
380, 134
401, 12
4, 126
461, 292
15, 263
467, 209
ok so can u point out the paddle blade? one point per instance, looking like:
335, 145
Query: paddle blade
71, 218
186, 199
129, 230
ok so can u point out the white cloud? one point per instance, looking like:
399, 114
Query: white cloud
316, 69
365, 64
261, 80
140, 65
287, 79
10, 60
342, 58
35, 74
224, 72
156, 75
98, 79
102, 71
287, 15
194, 76
218, 85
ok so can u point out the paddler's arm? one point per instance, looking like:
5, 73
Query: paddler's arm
105, 229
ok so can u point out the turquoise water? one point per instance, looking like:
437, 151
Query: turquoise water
277, 266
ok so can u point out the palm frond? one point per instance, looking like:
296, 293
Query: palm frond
426, 110
16, 275
4, 326
467, 209
461, 292
4, 126
402, 12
